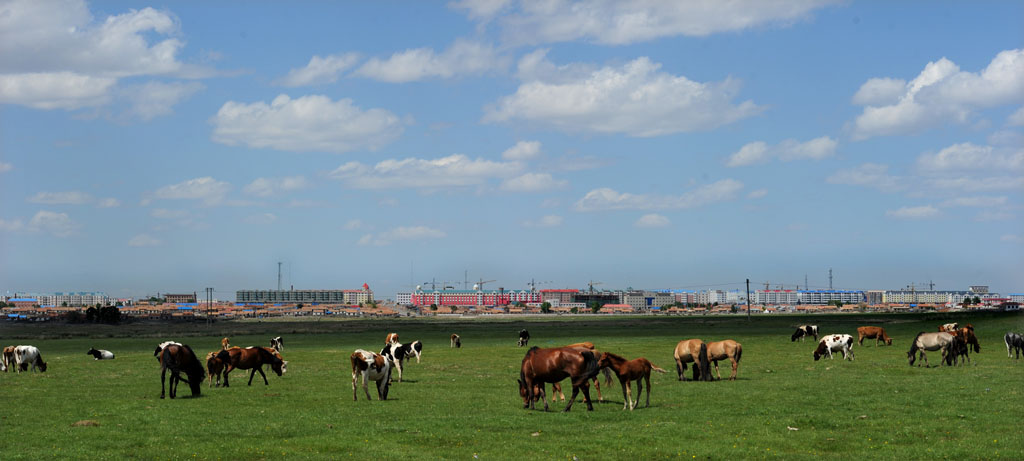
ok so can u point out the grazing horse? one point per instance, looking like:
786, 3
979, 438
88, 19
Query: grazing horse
277, 343
524, 337
831, 343
728, 349
7, 358
180, 358
1013, 342
252, 358
160, 347
100, 354
456, 341
398, 352
966, 340
391, 338
876, 333
215, 366
630, 370
225, 343
947, 327
805, 330
553, 365
693, 350
28, 355
370, 367
586, 345
930, 342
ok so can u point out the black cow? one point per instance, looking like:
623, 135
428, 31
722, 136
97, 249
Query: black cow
398, 352
805, 330
524, 337
277, 343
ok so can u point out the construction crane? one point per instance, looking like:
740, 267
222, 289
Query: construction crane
591, 284
533, 284
480, 285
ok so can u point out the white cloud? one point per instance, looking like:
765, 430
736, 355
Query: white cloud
636, 99
57, 224
967, 156
320, 70
532, 182
261, 218
523, 150
941, 93
652, 220
11, 225
206, 189
109, 202
975, 202
609, 199
401, 233
61, 198
872, 175
976, 183
993, 215
56, 90
759, 193
309, 123
917, 212
163, 213
1016, 118
354, 224
618, 22
451, 171
144, 240
788, 150
545, 221
266, 187
463, 57
154, 99
5, 167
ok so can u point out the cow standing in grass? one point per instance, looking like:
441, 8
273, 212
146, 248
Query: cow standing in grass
805, 330
876, 333
831, 343
370, 367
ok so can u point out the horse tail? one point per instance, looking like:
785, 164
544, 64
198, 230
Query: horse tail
607, 376
658, 369
705, 364
739, 352
590, 366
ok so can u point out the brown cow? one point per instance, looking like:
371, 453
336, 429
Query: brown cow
876, 333
392, 338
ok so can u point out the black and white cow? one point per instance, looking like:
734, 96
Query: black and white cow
370, 367
100, 354
398, 352
1014, 342
831, 343
805, 330
524, 337
277, 343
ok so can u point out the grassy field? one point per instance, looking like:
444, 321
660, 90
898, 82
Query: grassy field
462, 404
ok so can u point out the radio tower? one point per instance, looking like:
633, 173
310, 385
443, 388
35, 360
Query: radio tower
830, 279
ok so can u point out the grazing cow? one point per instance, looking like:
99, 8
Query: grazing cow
100, 354
876, 333
728, 349
180, 358
215, 366
1015, 342
831, 343
398, 352
692, 350
7, 358
456, 341
630, 370
253, 359
370, 367
277, 343
28, 355
524, 337
225, 343
947, 327
930, 342
553, 365
805, 330
391, 338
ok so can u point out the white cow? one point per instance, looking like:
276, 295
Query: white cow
28, 355
831, 343
100, 354
371, 367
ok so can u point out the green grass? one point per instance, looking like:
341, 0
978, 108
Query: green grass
461, 403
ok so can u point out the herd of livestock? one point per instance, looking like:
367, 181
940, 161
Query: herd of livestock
580, 362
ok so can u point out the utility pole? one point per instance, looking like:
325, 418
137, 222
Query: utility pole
830, 279
805, 282
279, 276
748, 300
209, 304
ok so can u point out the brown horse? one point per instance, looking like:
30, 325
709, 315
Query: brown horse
693, 350
225, 343
728, 349
586, 345
179, 358
553, 365
214, 366
967, 341
252, 358
630, 370
7, 359
876, 333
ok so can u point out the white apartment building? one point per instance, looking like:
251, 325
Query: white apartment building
77, 298
403, 297
777, 297
822, 297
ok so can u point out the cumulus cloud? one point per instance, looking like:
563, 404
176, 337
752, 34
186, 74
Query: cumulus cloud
320, 70
55, 90
523, 150
144, 240
941, 93
354, 224
56, 224
463, 57
968, 156
11, 225
636, 98
154, 99
651, 220
207, 189
109, 202
532, 182
309, 123
873, 175
163, 213
545, 221
451, 171
610, 199
61, 198
1016, 118
401, 233
917, 212
788, 150
266, 187
5, 167
618, 22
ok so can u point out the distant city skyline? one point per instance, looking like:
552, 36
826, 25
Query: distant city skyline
152, 148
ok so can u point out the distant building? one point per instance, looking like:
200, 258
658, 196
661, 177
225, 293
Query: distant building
305, 296
185, 298
821, 297
23, 302
76, 298
471, 298
403, 297
1017, 297
558, 297
643, 301
978, 289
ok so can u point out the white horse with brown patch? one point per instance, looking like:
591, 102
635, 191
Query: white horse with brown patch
370, 367
829, 343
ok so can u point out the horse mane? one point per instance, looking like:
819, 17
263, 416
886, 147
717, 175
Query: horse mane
913, 344
265, 352
615, 357
590, 366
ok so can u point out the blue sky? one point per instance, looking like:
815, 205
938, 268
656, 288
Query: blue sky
150, 147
